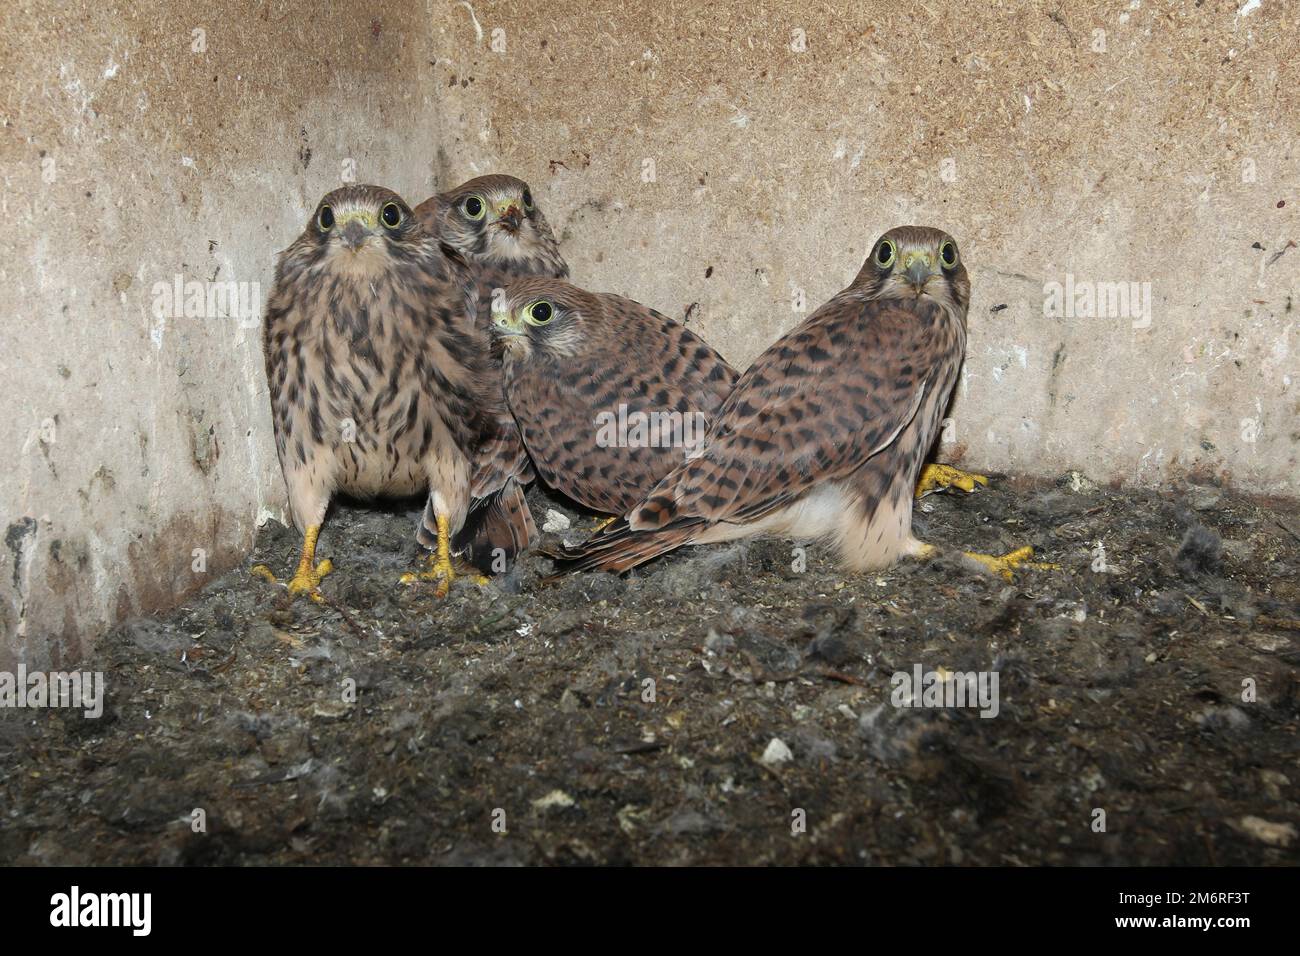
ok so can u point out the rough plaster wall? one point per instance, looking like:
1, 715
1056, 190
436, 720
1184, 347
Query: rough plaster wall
1123, 157
127, 159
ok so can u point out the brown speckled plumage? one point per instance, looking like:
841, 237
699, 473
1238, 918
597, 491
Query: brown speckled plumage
376, 365
824, 435
603, 360
509, 239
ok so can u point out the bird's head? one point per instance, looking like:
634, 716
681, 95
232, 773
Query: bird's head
362, 229
916, 262
540, 318
495, 219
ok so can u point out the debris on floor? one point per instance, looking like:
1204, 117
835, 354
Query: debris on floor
743, 704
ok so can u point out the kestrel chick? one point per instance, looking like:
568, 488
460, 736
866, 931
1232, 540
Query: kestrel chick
494, 223
377, 368
610, 395
824, 435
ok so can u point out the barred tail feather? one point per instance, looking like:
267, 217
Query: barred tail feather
500, 524
618, 548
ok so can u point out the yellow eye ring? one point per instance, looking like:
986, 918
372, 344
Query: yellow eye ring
948, 254
325, 218
539, 313
391, 215
886, 253
474, 208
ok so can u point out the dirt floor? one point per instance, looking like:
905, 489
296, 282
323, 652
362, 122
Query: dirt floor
608, 720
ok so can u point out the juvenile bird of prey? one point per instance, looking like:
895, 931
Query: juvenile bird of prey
378, 370
823, 437
610, 395
498, 228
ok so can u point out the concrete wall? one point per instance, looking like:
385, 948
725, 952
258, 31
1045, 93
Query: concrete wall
1112, 142
134, 151
718, 162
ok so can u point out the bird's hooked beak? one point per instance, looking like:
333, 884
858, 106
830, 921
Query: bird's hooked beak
509, 215
505, 324
355, 227
354, 235
918, 267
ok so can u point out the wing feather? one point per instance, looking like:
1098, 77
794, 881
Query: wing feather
812, 408
645, 365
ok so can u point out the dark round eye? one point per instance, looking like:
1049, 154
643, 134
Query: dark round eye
528, 199
473, 207
948, 254
540, 313
391, 215
885, 253
325, 218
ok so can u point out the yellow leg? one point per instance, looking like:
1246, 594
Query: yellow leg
441, 567
937, 477
602, 524
306, 579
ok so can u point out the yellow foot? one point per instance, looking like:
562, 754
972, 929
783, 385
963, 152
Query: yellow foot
263, 572
438, 570
444, 573
440, 563
602, 524
1008, 563
921, 551
937, 477
306, 580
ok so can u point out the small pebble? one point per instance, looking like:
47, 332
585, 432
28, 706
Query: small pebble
1266, 831
777, 753
332, 709
555, 521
